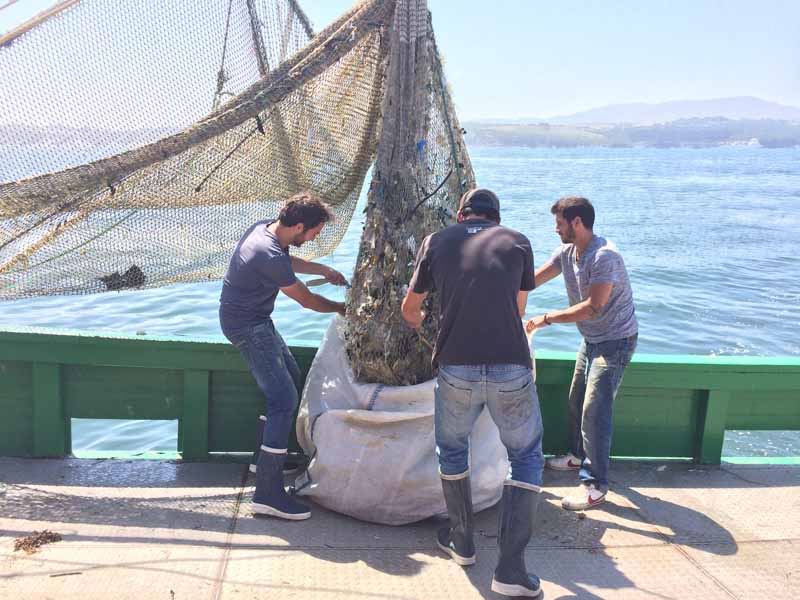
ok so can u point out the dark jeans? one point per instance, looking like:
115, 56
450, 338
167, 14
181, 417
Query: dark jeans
598, 374
509, 393
277, 375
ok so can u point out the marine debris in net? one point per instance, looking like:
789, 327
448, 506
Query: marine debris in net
421, 170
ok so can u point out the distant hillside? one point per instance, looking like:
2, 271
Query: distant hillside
483, 134
697, 133
640, 113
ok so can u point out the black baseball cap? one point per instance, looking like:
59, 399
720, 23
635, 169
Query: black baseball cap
480, 200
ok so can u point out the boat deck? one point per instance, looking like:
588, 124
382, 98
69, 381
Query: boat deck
177, 531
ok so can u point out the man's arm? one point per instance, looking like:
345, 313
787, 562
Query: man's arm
411, 309
301, 294
599, 294
522, 302
546, 273
311, 268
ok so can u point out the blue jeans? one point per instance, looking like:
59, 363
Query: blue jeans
277, 375
509, 393
598, 374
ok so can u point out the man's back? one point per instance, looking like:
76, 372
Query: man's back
478, 268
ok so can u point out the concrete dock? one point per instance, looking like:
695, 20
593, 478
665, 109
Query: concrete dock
183, 531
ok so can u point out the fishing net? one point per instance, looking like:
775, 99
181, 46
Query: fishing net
137, 145
138, 142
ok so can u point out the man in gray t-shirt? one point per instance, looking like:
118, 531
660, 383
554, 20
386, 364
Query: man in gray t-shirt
260, 267
601, 305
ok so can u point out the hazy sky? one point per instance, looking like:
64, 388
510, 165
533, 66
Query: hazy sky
537, 58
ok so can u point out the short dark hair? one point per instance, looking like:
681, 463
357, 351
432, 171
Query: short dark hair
570, 207
305, 208
486, 213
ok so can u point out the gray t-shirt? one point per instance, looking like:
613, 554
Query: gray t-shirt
601, 262
259, 267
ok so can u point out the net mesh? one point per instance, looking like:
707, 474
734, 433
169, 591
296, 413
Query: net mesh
137, 144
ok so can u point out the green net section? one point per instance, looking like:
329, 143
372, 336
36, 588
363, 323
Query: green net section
138, 141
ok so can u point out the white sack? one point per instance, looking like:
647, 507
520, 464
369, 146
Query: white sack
372, 446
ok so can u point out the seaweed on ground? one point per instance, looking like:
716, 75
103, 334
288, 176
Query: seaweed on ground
31, 543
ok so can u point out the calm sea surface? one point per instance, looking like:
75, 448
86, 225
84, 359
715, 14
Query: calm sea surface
710, 238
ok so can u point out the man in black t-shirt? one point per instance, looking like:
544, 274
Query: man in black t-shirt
482, 273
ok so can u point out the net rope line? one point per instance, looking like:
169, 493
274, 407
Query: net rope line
37, 20
7, 4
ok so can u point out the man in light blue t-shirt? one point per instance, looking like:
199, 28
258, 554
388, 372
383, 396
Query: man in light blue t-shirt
601, 305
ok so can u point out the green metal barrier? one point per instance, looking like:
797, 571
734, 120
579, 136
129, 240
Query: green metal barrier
668, 406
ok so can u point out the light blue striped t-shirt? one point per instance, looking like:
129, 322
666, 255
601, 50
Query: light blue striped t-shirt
601, 262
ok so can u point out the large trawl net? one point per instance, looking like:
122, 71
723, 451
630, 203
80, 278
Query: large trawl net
139, 143
139, 140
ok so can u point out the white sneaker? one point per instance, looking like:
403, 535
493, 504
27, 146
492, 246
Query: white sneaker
568, 462
586, 496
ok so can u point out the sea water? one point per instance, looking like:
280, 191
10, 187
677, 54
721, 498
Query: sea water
710, 238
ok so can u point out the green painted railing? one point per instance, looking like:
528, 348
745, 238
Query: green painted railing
668, 406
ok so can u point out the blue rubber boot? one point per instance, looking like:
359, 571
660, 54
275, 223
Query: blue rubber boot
270, 497
511, 577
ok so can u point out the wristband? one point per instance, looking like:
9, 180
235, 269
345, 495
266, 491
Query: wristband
546, 322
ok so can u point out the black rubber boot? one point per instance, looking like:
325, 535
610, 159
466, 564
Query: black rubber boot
262, 421
517, 509
456, 539
270, 497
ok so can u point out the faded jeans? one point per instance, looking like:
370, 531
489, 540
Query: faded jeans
598, 374
277, 375
509, 392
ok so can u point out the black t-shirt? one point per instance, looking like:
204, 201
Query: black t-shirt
478, 268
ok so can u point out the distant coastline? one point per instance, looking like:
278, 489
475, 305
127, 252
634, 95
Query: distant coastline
706, 132
682, 133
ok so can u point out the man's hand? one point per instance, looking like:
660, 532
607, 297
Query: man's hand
333, 276
300, 294
535, 323
411, 309
415, 320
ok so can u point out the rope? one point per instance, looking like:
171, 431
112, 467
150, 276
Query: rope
302, 17
429, 196
221, 73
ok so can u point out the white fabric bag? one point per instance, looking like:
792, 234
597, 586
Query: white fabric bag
373, 449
